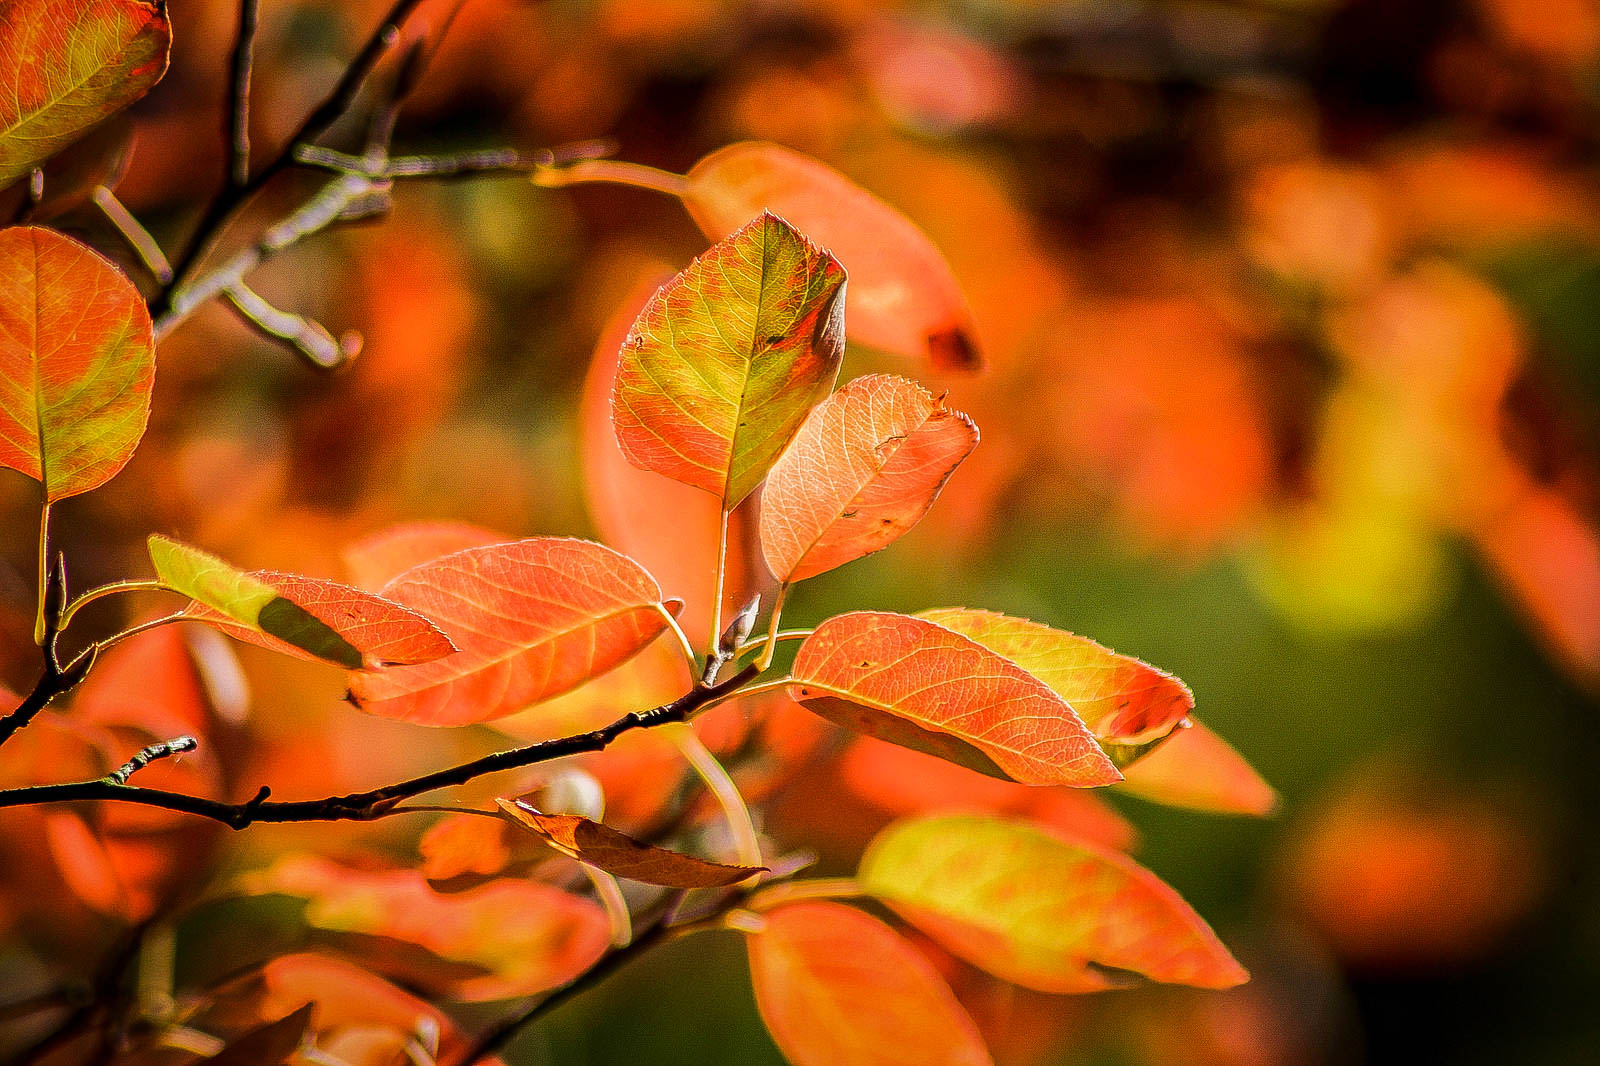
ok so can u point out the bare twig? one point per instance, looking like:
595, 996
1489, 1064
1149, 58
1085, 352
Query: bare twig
153, 753
237, 130
134, 234
308, 337
377, 803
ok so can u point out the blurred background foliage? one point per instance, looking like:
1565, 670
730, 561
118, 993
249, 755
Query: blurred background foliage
1291, 311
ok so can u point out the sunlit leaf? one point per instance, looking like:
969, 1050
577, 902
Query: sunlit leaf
532, 619
864, 468
839, 988
616, 853
77, 360
1041, 910
375, 560
1126, 703
920, 685
247, 600
726, 359
69, 64
1195, 768
530, 936
903, 297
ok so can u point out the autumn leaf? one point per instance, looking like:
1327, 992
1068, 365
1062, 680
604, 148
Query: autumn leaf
77, 360
528, 935
246, 600
69, 64
727, 358
903, 297
864, 468
837, 987
532, 619
922, 686
616, 853
1197, 769
1126, 703
383, 632
1040, 910
375, 560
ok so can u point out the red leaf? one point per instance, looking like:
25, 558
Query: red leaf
384, 632
532, 619
917, 684
903, 297
77, 359
616, 853
864, 468
839, 988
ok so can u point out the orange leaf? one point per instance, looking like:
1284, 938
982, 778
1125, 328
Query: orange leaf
382, 631
375, 560
463, 844
1122, 700
77, 360
530, 936
920, 685
1037, 909
532, 619
1196, 768
69, 64
728, 357
903, 297
616, 853
864, 468
839, 988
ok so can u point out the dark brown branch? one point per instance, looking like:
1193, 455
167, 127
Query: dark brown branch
238, 118
377, 803
147, 755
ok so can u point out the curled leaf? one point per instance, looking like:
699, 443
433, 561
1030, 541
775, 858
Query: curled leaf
864, 468
1196, 768
617, 853
922, 686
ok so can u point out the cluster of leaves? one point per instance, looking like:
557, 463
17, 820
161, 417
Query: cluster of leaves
726, 382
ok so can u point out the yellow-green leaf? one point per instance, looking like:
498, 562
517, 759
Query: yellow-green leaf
727, 358
1040, 910
68, 64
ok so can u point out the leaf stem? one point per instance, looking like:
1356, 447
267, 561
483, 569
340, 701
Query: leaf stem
742, 828
684, 643
613, 903
751, 690
794, 891
716, 597
772, 628
41, 627
613, 171
115, 588
782, 635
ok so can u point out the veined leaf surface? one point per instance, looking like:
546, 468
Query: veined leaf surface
903, 296
77, 361
247, 601
532, 619
1196, 768
385, 633
376, 559
69, 64
617, 853
837, 987
864, 468
1038, 909
917, 684
727, 358
1126, 703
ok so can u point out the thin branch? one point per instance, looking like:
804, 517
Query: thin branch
380, 802
147, 755
306, 336
451, 165
133, 234
237, 129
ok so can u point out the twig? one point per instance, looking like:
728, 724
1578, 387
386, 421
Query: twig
380, 802
133, 234
450, 165
147, 755
308, 337
237, 129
